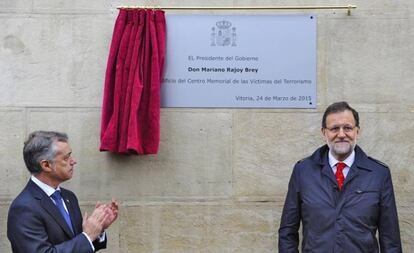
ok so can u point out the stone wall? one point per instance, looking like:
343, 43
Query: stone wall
220, 178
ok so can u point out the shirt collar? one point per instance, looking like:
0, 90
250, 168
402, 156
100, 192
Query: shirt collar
348, 161
49, 190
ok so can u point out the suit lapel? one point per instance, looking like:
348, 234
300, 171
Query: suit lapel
327, 171
353, 173
360, 163
47, 204
321, 157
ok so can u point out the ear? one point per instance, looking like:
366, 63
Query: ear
323, 132
358, 132
46, 166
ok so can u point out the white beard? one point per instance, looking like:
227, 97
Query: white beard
341, 149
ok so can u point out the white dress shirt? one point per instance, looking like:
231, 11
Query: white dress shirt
348, 162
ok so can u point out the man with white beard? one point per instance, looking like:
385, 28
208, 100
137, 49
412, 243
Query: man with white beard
341, 196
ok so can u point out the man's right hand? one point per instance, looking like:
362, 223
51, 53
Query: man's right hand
93, 224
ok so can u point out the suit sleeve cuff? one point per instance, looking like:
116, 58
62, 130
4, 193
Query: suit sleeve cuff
89, 240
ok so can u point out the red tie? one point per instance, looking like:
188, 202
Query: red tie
339, 175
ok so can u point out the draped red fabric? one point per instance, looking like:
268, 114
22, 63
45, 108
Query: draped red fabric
131, 103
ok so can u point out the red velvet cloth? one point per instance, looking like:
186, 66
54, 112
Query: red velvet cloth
131, 103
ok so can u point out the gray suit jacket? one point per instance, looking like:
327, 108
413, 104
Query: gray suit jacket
35, 225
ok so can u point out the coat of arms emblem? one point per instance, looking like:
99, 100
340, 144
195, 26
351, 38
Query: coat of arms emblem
224, 34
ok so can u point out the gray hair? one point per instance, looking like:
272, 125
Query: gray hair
41, 145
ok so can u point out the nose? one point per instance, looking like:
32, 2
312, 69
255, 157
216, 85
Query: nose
341, 132
73, 161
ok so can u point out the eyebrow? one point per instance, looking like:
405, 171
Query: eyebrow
344, 125
68, 154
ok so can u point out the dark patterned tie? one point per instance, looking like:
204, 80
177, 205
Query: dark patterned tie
58, 202
339, 174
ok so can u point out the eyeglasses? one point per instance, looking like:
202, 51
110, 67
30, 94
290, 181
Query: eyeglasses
336, 129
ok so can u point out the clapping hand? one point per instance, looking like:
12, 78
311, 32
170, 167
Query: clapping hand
111, 211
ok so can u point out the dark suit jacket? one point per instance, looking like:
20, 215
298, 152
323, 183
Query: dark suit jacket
35, 225
340, 221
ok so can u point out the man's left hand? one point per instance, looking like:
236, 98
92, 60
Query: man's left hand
111, 210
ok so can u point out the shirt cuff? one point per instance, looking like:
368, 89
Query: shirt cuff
102, 237
89, 240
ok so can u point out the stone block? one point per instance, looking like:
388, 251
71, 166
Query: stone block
406, 219
360, 54
15, 6
53, 60
199, 227
4, 242
363, 7
12, 168
74, 6
193, 160
388, 138
183, 3
266, 147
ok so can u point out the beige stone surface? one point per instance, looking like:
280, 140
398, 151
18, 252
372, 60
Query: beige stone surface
193, 160
407, 226
384, 60
4, 243
388, 137
7, 6
74, 6
199, 227
13, 171
64, 55
266, 146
